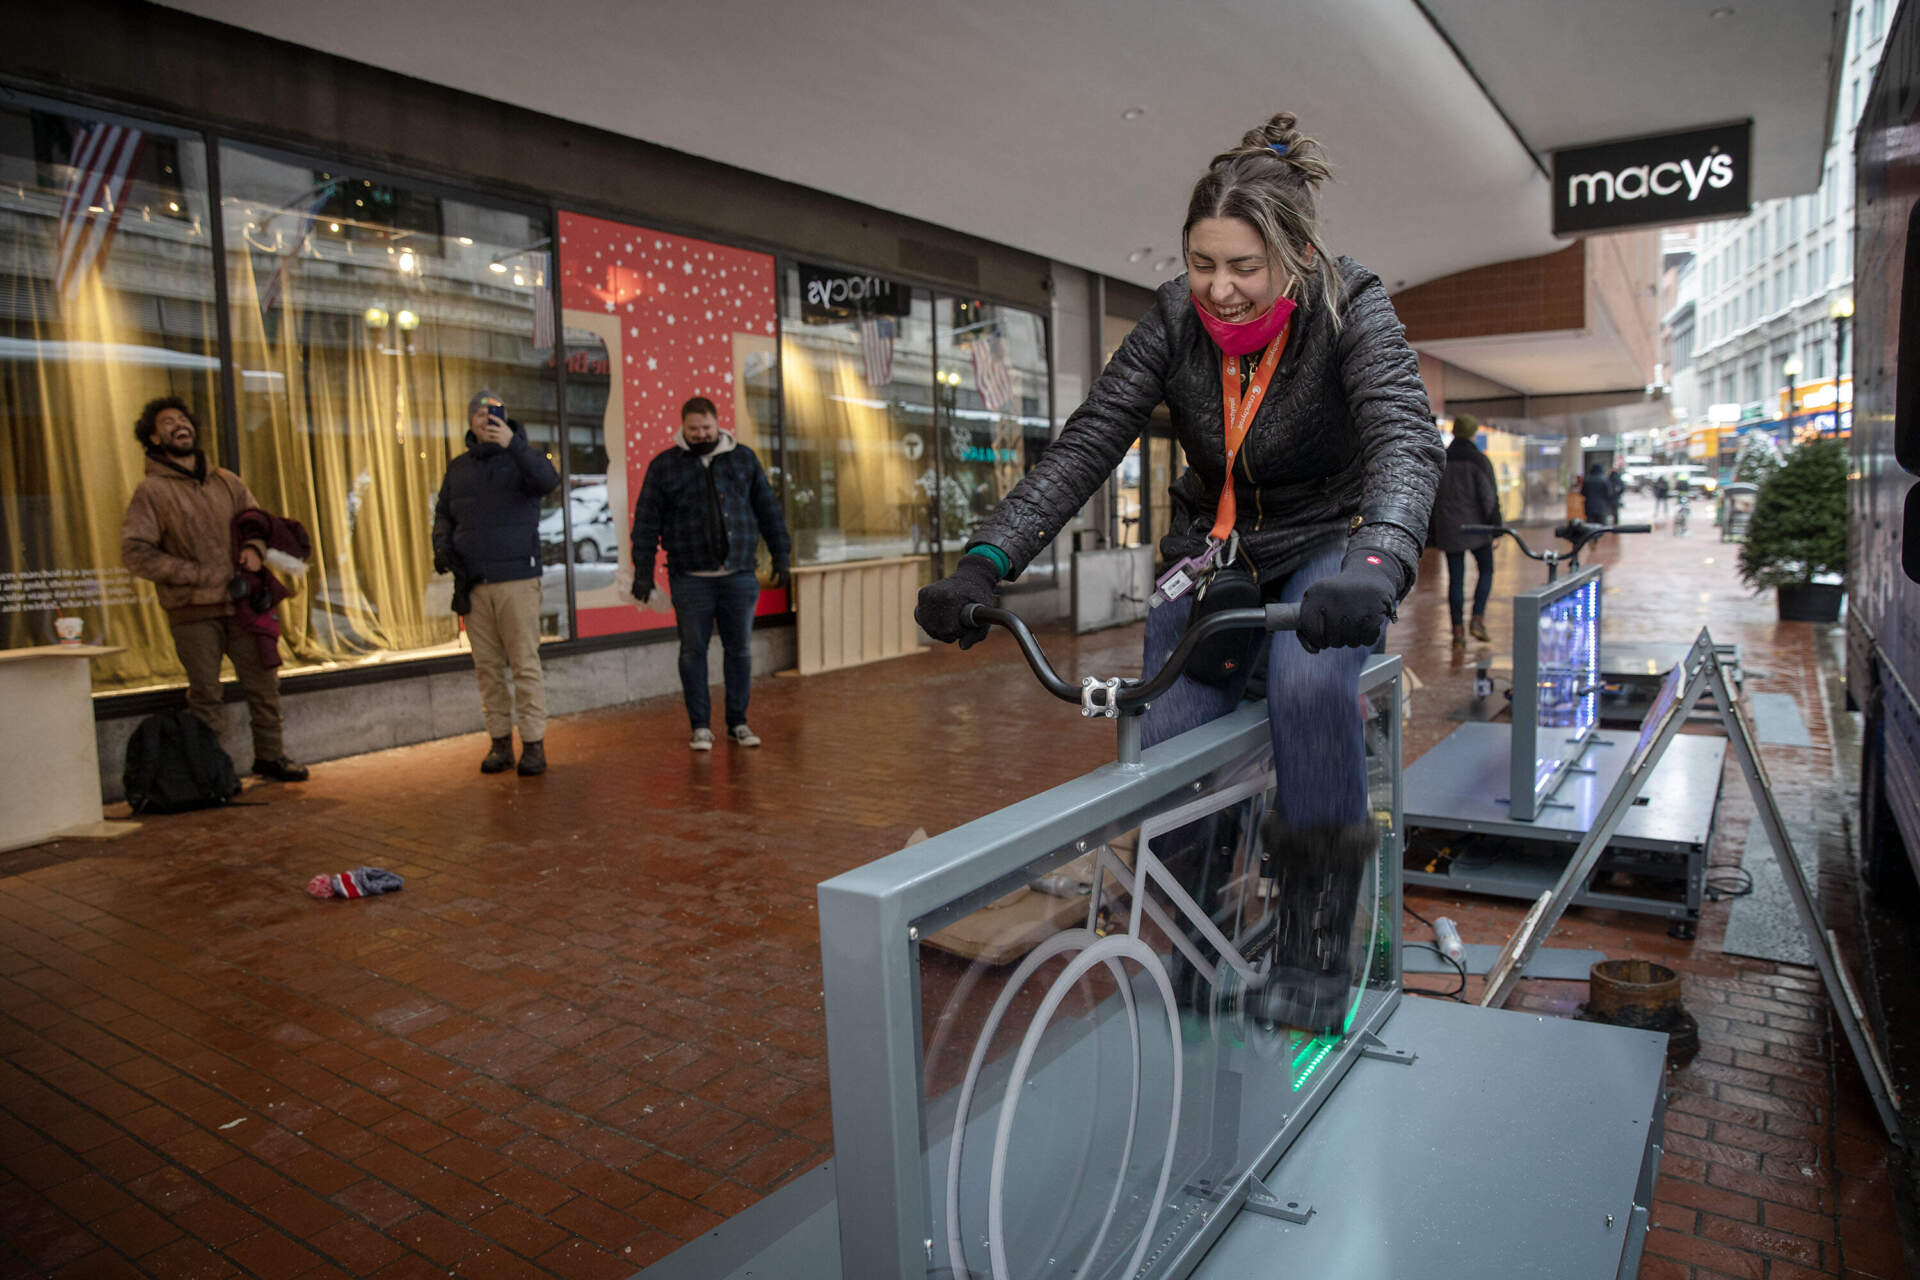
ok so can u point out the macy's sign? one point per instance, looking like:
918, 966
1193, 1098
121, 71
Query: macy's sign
1636, 182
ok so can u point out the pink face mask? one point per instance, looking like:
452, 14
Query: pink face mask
1248, 336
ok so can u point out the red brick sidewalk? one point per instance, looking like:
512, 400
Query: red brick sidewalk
590, 1027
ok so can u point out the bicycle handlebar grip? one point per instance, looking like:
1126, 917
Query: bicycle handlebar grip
1631, 528
1482, 528
1283, 617
970, 615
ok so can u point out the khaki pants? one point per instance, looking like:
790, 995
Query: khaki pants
201, 645
504, 628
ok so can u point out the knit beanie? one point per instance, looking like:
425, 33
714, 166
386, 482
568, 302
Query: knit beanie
1464, 426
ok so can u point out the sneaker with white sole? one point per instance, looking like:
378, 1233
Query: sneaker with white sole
743, 736
702, 740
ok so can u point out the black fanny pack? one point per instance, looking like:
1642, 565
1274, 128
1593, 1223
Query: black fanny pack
1219, 658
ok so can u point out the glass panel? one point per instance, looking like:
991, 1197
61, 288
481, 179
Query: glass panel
857, 365
663, 319
106, 264
1130, 515
995, 415
1101, 1069
592, 532
1164, 455
365, 314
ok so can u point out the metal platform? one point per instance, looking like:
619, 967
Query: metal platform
1461, 785
1511, 1145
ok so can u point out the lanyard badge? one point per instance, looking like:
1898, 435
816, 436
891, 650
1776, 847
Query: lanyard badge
1238, 412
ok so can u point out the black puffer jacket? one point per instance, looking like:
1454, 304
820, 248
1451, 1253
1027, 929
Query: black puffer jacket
1344, 432
487, 520
1468, 494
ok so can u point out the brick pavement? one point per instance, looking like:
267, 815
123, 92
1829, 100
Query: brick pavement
590, 1027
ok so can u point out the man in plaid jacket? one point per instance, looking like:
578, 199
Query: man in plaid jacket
707, 501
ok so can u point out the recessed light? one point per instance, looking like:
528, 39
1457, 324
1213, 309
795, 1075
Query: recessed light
1165, 264
1139, 254
1133, 113
1724, 11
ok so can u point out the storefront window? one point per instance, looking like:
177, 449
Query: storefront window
857, 362
662, 318
365, 314
995, 413
107, 265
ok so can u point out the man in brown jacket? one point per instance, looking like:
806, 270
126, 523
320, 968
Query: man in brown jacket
178, 534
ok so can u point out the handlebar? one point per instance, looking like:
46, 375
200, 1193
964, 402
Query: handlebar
1133, 695
1578, 532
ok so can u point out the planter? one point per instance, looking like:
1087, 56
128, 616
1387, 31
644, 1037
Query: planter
1810, 601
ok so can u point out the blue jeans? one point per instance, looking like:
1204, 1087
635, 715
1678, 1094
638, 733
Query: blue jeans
697, 604
1457, 585
1313, 707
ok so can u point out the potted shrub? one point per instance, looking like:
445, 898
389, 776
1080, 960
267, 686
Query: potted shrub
1798, 532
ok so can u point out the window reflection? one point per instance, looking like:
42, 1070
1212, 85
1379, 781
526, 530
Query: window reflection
107, 269
859, 465
370, 312
995, 416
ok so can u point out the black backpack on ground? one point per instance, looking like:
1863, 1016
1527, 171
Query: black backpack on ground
174, 763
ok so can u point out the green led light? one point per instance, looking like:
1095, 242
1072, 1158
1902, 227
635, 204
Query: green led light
1325, 1047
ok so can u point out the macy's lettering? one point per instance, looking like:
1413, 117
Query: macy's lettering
1641, 180
838, 291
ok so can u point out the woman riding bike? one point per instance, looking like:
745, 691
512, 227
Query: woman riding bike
1286, 369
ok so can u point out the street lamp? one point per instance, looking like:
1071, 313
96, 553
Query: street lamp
1791, 367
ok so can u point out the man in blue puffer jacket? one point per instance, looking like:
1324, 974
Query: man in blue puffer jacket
707, 501
486, 532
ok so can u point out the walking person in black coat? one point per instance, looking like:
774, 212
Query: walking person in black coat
1468, 495
1323, 500
486, 532
1597, 492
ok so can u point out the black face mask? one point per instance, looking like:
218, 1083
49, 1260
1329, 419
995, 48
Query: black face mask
704, 448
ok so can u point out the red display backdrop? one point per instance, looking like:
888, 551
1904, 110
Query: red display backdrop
680, 318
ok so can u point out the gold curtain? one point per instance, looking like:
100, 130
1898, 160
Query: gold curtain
830, 405
348, 427
71, 392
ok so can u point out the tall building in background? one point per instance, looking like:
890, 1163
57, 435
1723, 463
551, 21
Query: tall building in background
1771, 295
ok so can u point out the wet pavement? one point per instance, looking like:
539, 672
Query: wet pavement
590, 1027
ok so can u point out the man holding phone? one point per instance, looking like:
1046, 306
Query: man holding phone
486, 532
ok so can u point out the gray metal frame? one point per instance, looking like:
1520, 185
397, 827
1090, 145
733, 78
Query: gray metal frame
1527, 796
1702, 673
870, 920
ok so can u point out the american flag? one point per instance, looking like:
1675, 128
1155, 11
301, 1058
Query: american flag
303, 231
542, 306
990, 373
876, 349
103, 158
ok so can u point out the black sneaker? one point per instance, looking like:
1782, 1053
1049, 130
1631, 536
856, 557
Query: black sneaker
533, 759
285, 769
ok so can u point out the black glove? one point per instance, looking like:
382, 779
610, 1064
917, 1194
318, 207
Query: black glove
440, 565
239, 588
1350, 608
642, 588
782, 576
938, 612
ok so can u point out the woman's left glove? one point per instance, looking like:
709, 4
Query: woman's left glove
1352, 607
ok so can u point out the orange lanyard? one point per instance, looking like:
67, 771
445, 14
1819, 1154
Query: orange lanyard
1239, 417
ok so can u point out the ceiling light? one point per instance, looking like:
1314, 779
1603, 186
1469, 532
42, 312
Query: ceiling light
1724, 11
173, 206
1133, 113
519, 280
333, 226
465, 239
1165, 264
498, 268
1139, 254
406, 260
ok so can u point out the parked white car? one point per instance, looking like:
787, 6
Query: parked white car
595, 535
